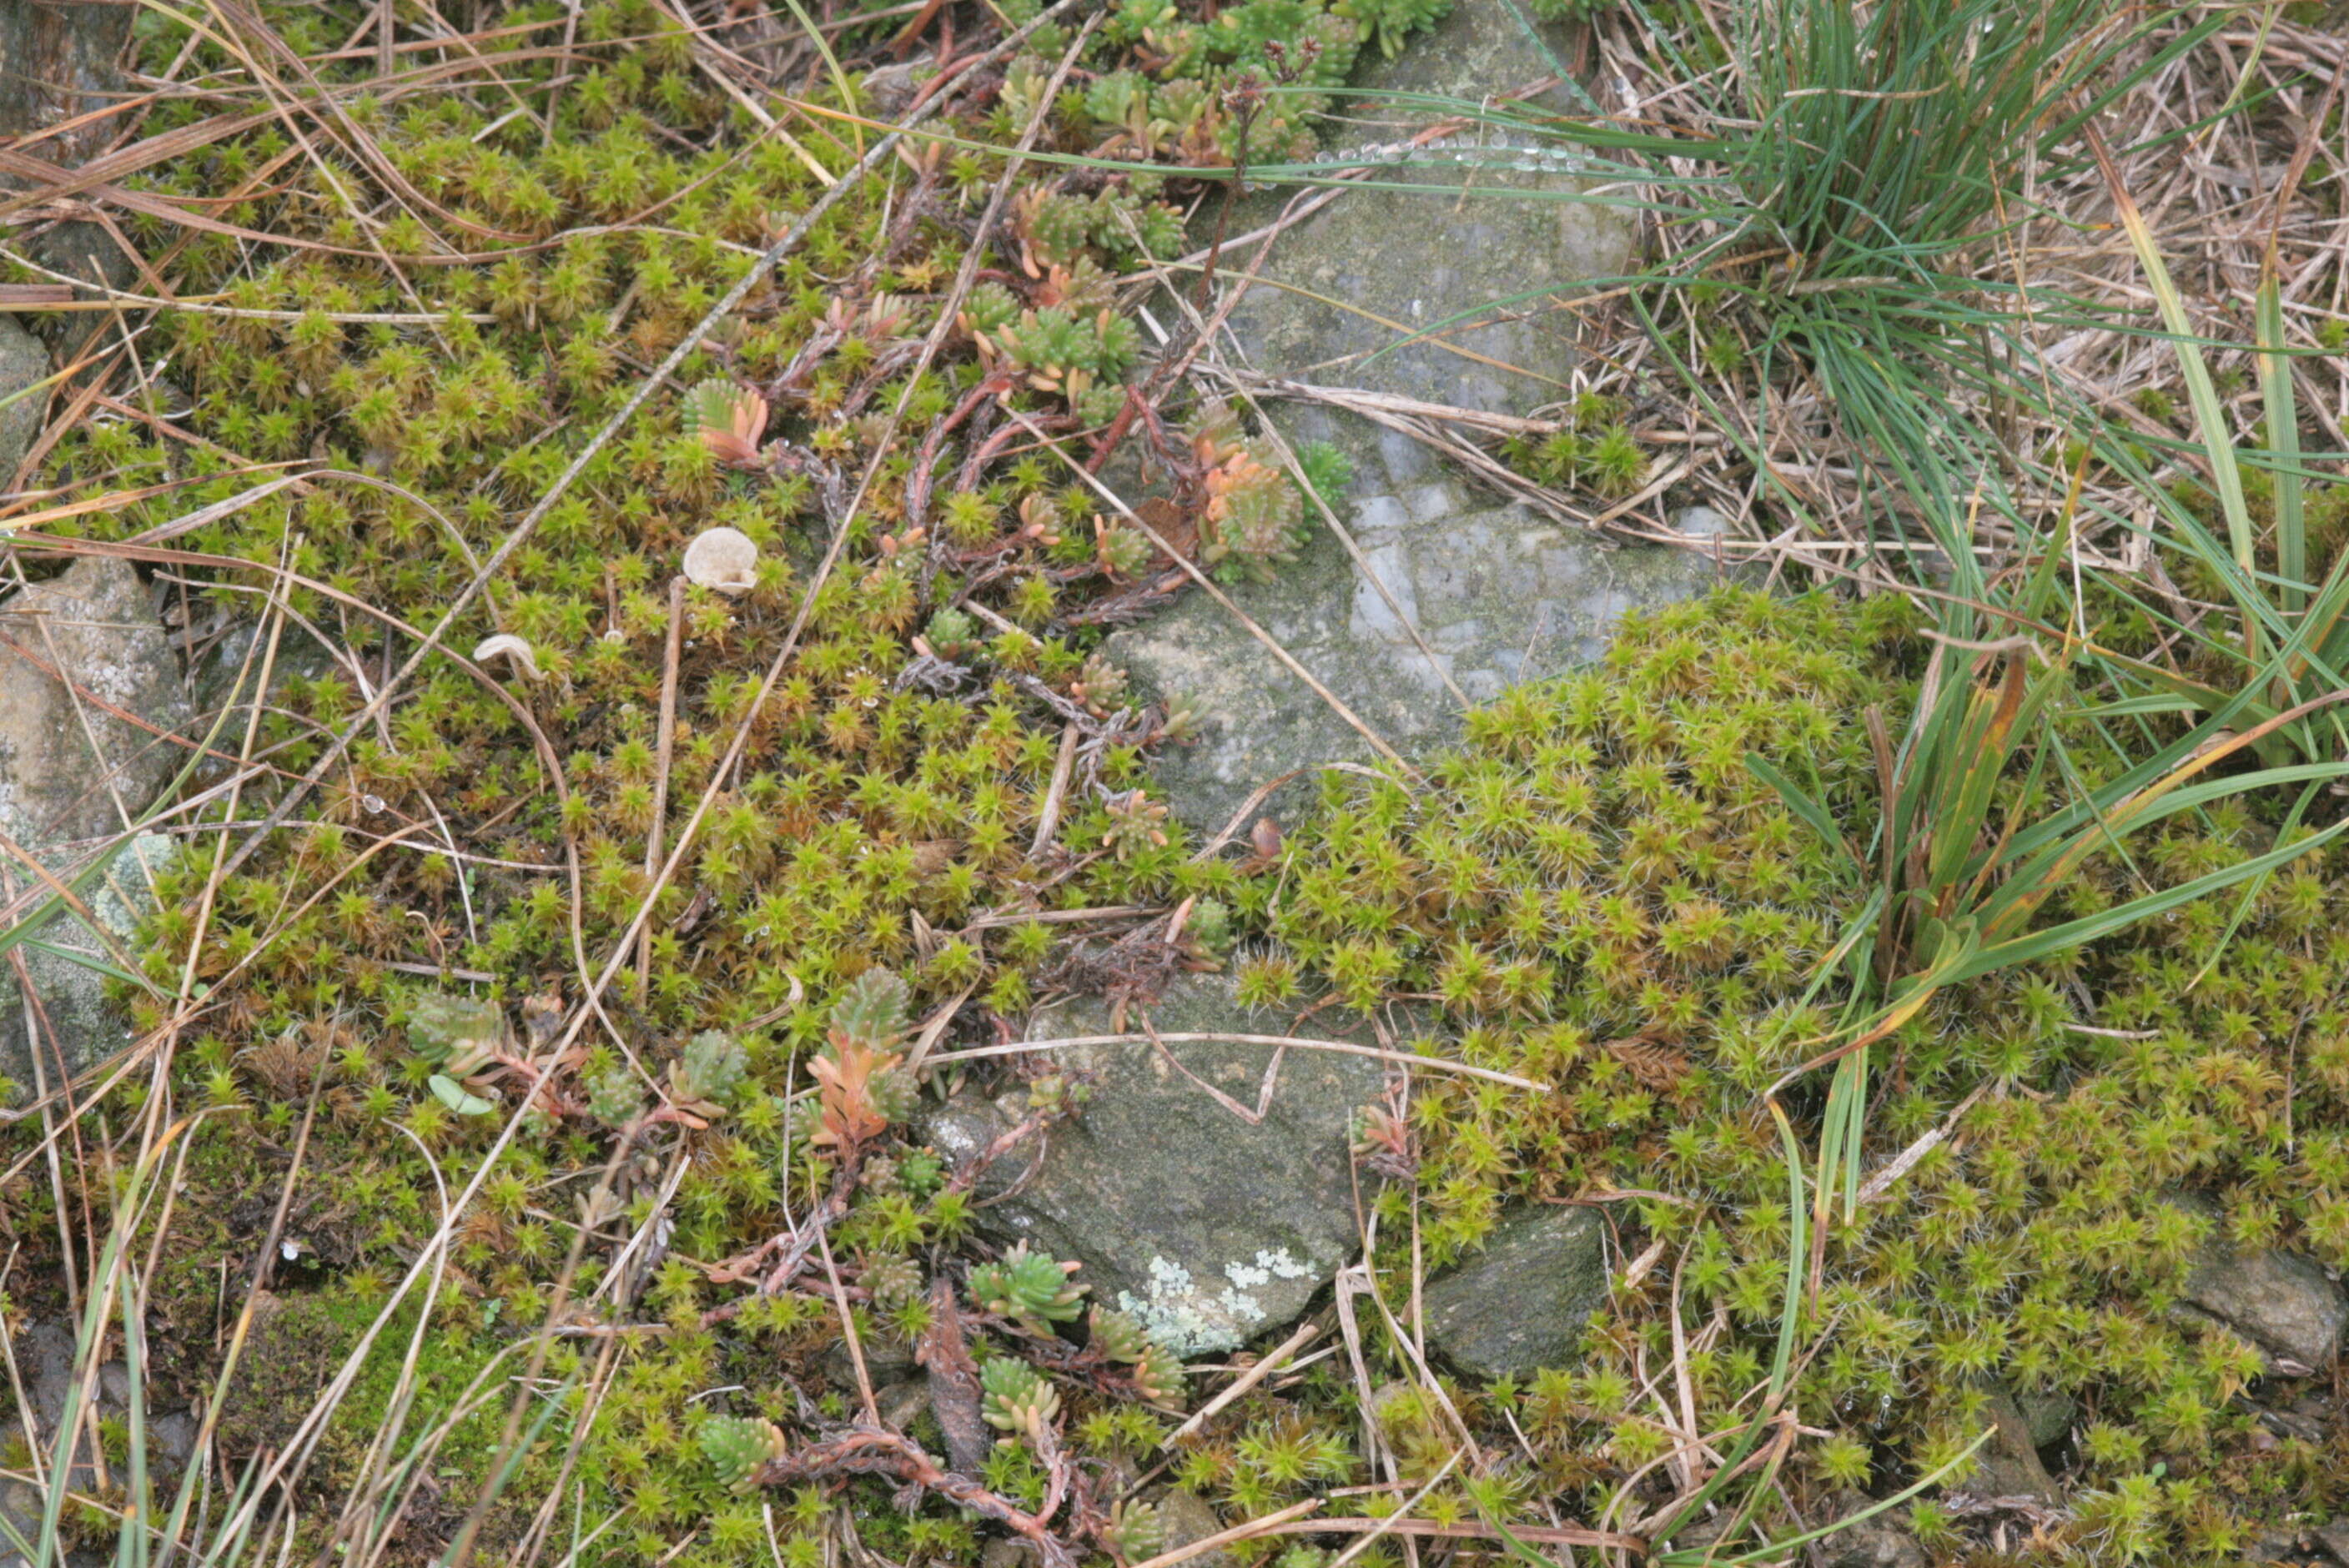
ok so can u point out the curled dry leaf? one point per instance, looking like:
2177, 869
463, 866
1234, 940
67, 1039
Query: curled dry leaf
508, 646
724, 558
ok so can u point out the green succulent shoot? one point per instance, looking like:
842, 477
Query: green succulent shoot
1016, 1399
705, 1075
735, 1446
1031, 1287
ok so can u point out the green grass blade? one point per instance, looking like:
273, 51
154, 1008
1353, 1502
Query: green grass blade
2284, 442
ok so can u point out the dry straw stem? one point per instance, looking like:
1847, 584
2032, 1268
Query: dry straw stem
1272, 1361
1344, 1048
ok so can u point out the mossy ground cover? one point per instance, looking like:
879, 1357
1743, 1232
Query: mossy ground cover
927, 801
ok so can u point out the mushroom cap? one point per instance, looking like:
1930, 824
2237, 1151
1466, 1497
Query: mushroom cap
722, 558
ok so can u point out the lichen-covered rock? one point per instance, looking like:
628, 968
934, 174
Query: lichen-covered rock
1520, 1304
1207, 1229
89, 695
1498, 593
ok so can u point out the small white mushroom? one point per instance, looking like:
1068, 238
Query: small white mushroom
505, 645
722, 558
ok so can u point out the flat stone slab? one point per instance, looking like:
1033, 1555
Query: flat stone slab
1520, 1304
1379, 264
1499, 593
1207, 1227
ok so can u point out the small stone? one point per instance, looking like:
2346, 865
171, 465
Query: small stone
887, 1359
2007, 1465
1876, 1542
1187, 1519
1210, 1229
1008, 1551
2047, 1414
94, 626
2286, 1305
1700, 522
22, 363
723, 560
1520, 1304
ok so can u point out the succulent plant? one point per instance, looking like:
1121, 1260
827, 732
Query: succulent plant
1158, 1375
988, 308
871, 1011
860, 1088
1117, 1335
1100, 685
1028, 1286
949, 630
893, 1279
735, 1446
614, 1096
1254, 520
458, 1035
1209, 928
709, 1071
1016, 1399
1136, 1530
1125, 552
1136, 823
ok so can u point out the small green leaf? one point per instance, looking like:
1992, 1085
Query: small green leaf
457, 1098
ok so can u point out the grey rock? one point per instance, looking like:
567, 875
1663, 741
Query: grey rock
1501, 595
43, 1354
59, 63
2335, 1539
22, 363
1700, 522
63, 761
1188, 1517
78, 1026
1520, 1304
20, 1506
1874, 1543
1498, 593
2286, 1305
73, 769
2008, 1465
1498, 244
1207, 1228
2047, 1414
